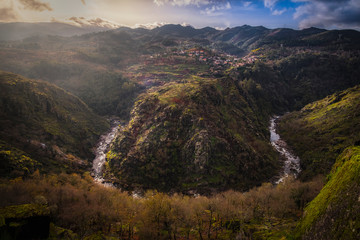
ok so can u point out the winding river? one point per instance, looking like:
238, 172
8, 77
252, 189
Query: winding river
100, 153
291, 161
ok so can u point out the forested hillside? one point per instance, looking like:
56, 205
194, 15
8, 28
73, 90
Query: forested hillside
52, 126
322, 130
203, 135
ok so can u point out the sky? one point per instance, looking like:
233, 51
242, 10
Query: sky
296, 14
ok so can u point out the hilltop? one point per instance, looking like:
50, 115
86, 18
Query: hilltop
203, 135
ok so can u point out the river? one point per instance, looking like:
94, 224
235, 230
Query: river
291, 161
100, 153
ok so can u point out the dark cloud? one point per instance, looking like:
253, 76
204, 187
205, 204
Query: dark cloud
8, 14
36, 5
328, 13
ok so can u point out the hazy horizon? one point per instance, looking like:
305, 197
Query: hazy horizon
220, 14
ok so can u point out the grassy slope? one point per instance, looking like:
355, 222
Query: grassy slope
202, 134
322, 130
335, 212
34, 113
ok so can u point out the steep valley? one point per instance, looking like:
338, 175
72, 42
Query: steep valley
193, 158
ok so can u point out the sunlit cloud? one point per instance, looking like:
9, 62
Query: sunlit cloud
95, 22
35, 5
8, 14
150, 25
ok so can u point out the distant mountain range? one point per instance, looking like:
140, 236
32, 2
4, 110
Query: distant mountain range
232, 40
239, 40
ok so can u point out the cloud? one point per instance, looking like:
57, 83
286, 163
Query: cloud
208, 7
216, 10
8, 14
278, 12
35, 5
150, 25
328, 14
247, 4
182, 2
270, 3
95, 22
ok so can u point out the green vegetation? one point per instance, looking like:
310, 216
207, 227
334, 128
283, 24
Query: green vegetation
50, 125
335, 212
289, 82
15, 162
323, 129
198, 125
24, 211
199, 135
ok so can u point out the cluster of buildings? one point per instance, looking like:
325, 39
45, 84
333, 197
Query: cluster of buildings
218, 59
202, 55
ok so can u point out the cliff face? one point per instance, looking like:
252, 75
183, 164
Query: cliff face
47, 123
204, 134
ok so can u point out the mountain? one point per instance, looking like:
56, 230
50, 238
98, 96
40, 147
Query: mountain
198, 124
202, 135
320, 131
243, 37
49, 124
290, 82
19, 30
172, 30
109, 70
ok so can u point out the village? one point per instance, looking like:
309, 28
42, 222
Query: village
200, 54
